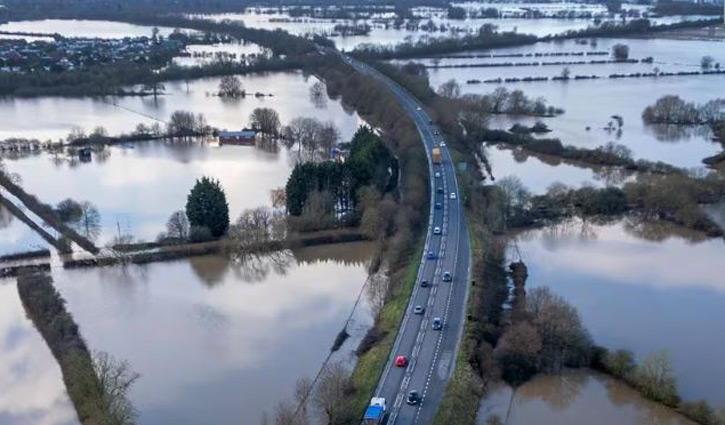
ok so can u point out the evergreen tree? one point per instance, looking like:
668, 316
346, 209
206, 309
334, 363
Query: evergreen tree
206, 206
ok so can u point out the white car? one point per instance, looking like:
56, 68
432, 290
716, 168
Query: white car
419, 108
438, 174
436, 230
443, 144
453, 195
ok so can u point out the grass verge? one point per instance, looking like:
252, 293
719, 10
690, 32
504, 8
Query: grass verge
371, 364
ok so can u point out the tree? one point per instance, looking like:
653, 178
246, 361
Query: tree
565, 73
184, 124
69, 211
178, 226
654, 377
115, 379
450, 89
207, 207
457, 13
265, 121
90, 222
318, 94
332, 395
706, 62
231, 86
620, 52
154, 87
517, 351
620, 364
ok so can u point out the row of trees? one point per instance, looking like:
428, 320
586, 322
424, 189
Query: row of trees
672, 109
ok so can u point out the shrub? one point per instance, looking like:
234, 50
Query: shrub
200, 234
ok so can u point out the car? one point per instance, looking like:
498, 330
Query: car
418, 108
439, 205
418, 309
443, 144
453, 195
432, 255
439, 190
423, 283
437, 174
413, 398
401, 361
437, 133
447, 277
436, 230
437, 323
430, 121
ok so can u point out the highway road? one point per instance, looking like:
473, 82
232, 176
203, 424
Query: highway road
431, 353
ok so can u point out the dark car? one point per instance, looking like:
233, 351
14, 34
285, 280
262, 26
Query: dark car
439, 190
447, 277
432, 255
439, 205
437, 324
413, 398
423, 283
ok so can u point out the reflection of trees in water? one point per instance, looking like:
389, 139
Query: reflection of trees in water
318, 95
672, 133
348, 254
210, 269
256, 267
6, 217
611, 176
568, 229
657, 231
559, 391
377, 292
647, 412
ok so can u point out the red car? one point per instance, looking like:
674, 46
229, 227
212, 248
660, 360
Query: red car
401, 361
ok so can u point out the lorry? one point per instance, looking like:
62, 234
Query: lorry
435, 154
375, 412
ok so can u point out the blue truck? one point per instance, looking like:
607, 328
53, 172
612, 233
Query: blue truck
375, 413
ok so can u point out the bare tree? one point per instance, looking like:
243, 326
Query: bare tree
318, 95
332, 395
450, 89
231, 86
620, 52
706, 62
655, 378
178, 226
115, 379
90, 221
266, 121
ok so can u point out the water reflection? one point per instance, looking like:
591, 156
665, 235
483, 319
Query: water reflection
32, 389
575, 397
637, 284
207, 342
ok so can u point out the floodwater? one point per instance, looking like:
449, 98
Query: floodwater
539, 172
642, 287
16, 236
214, 339
32, 385
573, 398
136, 187
83, 28
54, 117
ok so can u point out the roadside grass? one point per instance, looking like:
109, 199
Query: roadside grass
370, 365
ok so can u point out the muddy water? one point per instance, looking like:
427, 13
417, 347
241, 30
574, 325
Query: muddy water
218, 340
641, 287
573, 398
539, 172
592, 103
31, 385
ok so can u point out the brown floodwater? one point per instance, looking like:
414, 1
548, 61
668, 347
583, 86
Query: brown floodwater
642, 287
222, 340
573, 398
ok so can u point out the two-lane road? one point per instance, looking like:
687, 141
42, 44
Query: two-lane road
431, 353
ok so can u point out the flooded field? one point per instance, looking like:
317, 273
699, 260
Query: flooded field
83, 28
124, 182
641, 287
32, 386
573, 398
15, 236
56, 116
538, 172
213, 339
591, 104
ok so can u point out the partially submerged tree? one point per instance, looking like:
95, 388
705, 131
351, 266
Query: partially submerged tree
231, 86
265, 121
